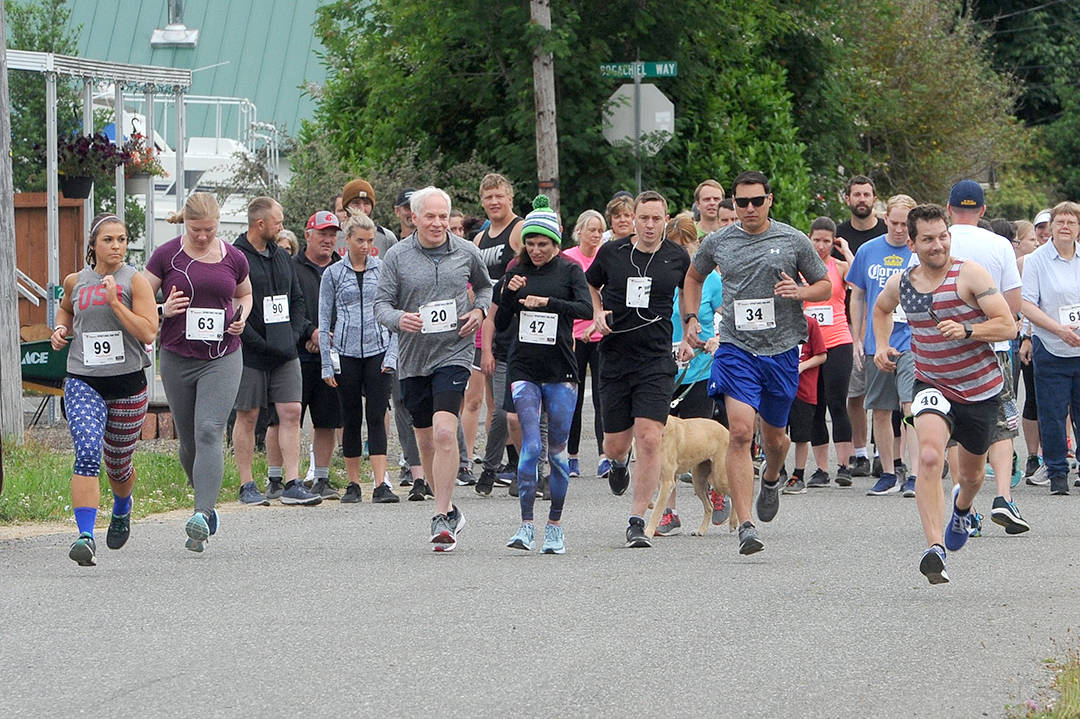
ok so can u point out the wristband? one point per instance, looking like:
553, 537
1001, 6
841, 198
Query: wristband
968, 329
60, 327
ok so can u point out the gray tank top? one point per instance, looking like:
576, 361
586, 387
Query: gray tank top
101, 347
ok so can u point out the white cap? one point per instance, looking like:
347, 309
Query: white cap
1043, 216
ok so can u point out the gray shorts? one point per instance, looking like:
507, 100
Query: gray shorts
260, 387
888, 390
857, 385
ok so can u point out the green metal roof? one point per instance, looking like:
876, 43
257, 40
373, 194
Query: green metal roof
268, 45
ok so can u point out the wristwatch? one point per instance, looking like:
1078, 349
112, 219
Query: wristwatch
688, 317
967, 330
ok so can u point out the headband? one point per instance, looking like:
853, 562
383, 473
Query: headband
106, 218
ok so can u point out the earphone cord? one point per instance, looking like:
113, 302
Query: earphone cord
217, 351
645, 321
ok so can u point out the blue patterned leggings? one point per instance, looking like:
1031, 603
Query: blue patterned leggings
95, 423
530, 399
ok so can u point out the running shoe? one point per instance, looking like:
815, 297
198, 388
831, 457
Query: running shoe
1017, 475
405, 479
860, 466
932, 565
685, 477
250, 494
212, 522
843, 476
669, 524
603, 467
876, 470
768, 499
442, 534
618, 479
1039, 477
523, 538
419, 491
909, 486
512, 488
553, 540
119, 531
956, 531
820, 478
465, 477
485, 483
322, 488
721, 507
505, 474
749, 542
353, 494
198, 530
1059, 485
1032, 465
795, 485
1005, 513
974, 523
83, 550
384, 495
296, 494
275, 487
457, 519
886, 484
574, 469
635, 535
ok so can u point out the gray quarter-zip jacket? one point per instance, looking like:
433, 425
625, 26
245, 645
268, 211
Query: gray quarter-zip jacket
346, 306
412, 277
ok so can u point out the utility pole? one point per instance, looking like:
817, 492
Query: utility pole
547, 134
11, 418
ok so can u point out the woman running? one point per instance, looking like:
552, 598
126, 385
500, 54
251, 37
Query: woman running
544, 293
110, 310
359, 345
207, 300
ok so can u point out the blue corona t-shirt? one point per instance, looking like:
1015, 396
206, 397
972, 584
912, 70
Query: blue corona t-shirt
875, 262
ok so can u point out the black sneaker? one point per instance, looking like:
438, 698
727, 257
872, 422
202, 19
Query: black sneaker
322, 487
119, 531
406, 477
1059, 485
820, 478
635, 535
275, 487
353, 495
860, 466
83, 551
843, 476
749, 542
1005, 513
877, 470
485, 483
1032, 465
384, 495
618, 479
768, 499
465, 477
419, 491
505, 474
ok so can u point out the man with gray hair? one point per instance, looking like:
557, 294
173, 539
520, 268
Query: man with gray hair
423, 295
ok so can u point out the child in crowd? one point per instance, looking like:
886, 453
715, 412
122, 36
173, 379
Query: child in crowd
811, 357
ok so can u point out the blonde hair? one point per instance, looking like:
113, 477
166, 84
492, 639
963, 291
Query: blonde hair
681, 230
199, 206
1065, 208
904, 201
357, 221
583, 219
493, 180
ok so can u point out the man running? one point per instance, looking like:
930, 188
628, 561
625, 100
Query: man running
757, 363
954, 311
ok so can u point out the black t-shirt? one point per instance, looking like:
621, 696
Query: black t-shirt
856, 238
500, 341
563, 283
638, 332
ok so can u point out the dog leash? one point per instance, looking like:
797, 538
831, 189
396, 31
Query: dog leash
682, 375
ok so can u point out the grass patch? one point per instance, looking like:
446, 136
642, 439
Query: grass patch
37, 483
1062, 700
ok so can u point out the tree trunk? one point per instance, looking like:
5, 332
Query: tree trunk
547, 135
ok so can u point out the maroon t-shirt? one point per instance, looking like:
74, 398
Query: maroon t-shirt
206, 284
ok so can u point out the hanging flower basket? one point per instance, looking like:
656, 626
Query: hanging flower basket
137, 184
76, 187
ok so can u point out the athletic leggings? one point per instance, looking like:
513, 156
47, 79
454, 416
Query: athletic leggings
832, 394
1031, 407
362, 377
557, 399
201, 393
588, 357
97, 423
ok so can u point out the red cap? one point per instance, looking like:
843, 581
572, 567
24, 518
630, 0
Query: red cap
321, 220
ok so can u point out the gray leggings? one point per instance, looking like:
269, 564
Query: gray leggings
201, 394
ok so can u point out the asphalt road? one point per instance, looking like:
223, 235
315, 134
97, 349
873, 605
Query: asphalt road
345, 611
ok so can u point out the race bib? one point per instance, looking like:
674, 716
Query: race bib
537, 328
275, 309
898, 315
823, 314
1069, 314
438, 316
929, 400
637, 291
103, 348
754, 315
204, 324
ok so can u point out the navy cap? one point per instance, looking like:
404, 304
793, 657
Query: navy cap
967, 195
404, 197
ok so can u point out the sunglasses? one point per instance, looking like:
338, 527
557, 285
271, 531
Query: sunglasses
746, 201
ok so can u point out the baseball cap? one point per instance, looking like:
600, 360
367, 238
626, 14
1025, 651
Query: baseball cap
1042, 217
967, 195
357, 188
404, 197
321, 220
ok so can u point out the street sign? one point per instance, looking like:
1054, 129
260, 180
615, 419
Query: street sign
640, 69
657, 117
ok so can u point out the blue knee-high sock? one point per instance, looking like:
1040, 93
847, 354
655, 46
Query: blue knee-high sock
121, 506
85, 518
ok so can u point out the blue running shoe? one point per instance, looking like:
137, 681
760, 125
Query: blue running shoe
212, 522
932, 565
909, 486
974, 520
553, 540
603, 468
574, 471
197, 531
886, 484
523, 539
956, 531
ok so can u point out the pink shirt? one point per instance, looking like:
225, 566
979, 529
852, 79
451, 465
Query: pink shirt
835, 329
574, 254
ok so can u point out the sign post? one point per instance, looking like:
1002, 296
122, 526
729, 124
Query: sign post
637, 70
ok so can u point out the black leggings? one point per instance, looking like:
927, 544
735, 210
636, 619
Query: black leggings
1031, 410
362, 377
832, 393
588, 356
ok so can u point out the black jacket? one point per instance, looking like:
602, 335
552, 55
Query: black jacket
310, 276
269, 346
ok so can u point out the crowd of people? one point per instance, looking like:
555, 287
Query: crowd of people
926, 316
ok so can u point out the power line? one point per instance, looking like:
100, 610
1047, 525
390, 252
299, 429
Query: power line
1026, 10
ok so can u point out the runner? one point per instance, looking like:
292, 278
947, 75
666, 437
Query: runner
353, 359
423, 293
756, 367
544, 293
110, 310
207, 300
632, 282
954, 310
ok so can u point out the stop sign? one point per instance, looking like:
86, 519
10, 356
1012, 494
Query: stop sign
657, 117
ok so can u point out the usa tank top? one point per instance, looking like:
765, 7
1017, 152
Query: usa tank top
101, 347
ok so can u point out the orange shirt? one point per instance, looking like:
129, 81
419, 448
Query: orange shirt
830, 314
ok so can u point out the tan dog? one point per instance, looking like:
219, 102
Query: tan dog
695, 445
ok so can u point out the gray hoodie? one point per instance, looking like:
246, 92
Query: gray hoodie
412, 276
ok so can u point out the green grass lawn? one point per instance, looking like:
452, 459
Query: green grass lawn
36, 483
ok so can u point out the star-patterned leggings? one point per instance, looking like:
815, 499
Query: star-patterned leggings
96, 423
